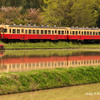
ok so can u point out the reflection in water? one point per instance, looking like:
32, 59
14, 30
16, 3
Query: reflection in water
31, 63
67, 93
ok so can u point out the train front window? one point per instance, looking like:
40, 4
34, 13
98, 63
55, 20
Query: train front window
18, 31
5, 30
99, 33
14, 31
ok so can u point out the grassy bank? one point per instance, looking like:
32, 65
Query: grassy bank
47, 45
45, 79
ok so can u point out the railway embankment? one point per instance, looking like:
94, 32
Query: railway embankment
49, 45
47, 79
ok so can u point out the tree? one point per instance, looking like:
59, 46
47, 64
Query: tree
70, 13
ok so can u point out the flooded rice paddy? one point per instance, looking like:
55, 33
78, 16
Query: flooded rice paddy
14, 63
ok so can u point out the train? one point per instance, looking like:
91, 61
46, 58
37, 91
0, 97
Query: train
28, 32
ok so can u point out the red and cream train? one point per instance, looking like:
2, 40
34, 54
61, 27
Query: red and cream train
23, 32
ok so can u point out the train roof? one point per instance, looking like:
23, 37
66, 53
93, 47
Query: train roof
51, 27
34, 26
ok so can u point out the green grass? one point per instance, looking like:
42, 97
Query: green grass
47, 45
48, 78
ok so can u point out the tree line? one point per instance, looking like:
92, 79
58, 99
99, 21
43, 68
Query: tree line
52, 12
22, 3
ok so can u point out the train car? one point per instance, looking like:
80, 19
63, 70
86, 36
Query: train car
32, 32
76, 33
27, 32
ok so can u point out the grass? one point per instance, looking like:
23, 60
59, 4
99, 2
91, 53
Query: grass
48, 45
48, 78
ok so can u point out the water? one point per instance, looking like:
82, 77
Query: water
16, 63
82, 92
26, 63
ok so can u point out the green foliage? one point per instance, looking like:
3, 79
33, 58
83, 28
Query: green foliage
70, 13
44, 79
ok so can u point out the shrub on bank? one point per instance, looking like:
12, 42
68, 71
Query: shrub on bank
45, 79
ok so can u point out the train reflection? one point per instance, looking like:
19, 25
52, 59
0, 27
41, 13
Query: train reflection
34, 63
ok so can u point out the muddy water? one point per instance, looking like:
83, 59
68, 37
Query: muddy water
82, 92
26, 63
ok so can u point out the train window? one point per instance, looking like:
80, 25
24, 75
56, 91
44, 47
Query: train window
67, 32
55, 31
58, 32
33, 31
5, 30
73, 32
70, 32
87, 32
52, 32
14, 31
29, 31
76, 32
41, 31
79, 32
90, 33
18, 31
10, 30
45, 31
49, 31
22, 30
93, 33
25, 31
62, 32
99, 33
37, 31
84, 32
96, 33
